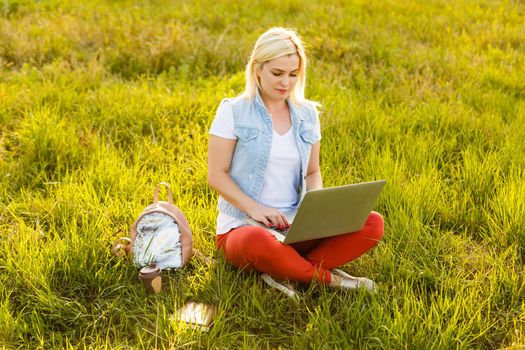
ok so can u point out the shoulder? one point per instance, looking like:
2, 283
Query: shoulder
227, 105
232, 102
233, 105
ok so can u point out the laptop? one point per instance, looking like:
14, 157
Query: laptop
329, 212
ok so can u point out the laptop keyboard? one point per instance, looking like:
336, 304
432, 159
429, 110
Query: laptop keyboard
283, 231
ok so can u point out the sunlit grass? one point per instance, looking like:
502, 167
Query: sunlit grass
99, 101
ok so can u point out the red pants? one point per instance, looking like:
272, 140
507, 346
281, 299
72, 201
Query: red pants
254, 248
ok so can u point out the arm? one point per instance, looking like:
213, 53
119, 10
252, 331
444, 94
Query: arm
220, 153
314, 179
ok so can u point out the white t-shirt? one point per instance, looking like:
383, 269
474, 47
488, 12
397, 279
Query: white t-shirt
284, 163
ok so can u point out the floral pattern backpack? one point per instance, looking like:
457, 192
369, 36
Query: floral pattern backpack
161, 235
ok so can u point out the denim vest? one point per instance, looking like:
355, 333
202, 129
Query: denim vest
254, 131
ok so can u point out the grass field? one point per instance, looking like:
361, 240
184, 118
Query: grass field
101, 100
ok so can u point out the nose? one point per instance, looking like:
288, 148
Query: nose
285, 80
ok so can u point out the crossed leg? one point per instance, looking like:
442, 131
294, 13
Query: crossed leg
254, 248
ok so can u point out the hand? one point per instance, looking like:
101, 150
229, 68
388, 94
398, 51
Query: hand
269, 216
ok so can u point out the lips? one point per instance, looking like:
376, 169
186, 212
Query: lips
282, 91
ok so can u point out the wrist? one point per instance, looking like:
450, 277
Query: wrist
249, 205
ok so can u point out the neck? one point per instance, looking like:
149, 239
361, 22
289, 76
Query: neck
274, 105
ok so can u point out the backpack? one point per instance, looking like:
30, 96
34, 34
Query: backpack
161, 235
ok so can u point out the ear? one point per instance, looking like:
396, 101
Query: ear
258, 69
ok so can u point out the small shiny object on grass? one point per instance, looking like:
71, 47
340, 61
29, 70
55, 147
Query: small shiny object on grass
195, 315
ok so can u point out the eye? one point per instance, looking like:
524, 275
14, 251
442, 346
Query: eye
293, 75
277, 74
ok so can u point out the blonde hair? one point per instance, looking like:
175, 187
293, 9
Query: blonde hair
274, 43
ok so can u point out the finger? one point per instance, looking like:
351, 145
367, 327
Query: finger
285, 220
261, 218
277, 221
265, 220
273, 221
280, 221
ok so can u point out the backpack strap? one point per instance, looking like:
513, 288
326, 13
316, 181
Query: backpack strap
156, 193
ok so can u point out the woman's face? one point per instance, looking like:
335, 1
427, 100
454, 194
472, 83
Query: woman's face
278, 77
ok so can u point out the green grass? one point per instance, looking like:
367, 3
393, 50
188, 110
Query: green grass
101, 100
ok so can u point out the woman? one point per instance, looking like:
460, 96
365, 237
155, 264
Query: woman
263, 156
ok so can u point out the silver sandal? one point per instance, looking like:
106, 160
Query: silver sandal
286, 288
355, 282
